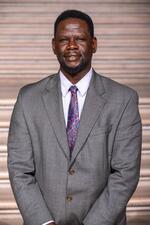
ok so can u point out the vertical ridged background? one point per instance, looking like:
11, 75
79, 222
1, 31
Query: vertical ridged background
123, 31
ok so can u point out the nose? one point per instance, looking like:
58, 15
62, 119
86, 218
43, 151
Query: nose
72, 44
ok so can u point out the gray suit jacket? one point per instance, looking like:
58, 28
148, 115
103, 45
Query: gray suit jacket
95, 185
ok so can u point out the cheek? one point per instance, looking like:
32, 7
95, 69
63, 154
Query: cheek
87, 50
60, 49
87, 55
83, 51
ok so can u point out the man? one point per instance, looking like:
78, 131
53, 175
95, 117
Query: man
75, 138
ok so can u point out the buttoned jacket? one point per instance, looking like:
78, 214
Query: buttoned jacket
94, 186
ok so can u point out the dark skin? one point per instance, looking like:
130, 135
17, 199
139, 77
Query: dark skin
74, 47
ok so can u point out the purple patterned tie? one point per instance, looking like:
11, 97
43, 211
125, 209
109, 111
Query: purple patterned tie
73, 118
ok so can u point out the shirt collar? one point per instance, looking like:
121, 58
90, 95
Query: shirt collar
82, 84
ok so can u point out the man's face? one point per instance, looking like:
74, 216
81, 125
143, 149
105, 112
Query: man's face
74, 46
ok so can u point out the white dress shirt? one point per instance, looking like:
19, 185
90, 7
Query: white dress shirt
82, 86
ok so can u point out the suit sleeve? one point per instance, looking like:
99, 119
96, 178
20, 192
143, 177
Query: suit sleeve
125, 167
22, 171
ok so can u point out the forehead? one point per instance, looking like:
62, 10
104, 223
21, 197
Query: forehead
72, 25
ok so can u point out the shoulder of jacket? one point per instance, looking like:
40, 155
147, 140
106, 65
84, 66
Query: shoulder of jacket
116, 90
36, 87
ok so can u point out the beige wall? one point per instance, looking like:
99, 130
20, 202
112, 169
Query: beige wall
123, 31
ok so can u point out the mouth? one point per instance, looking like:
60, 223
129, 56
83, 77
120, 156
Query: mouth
72, 57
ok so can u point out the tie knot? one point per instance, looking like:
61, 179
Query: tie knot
73, 89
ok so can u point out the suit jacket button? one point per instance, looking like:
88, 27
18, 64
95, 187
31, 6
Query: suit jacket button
69, 198
71, 172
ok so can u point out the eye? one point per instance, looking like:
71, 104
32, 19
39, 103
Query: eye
63, 40
80, 39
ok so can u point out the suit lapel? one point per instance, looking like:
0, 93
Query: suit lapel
93, 107
53, 104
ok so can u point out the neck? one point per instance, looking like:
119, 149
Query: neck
76, 77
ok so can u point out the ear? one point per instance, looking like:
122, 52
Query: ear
54, 46
94, 44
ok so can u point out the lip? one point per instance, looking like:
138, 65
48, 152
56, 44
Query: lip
72, 53
72, 57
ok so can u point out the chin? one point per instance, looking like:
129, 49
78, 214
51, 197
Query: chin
73, 70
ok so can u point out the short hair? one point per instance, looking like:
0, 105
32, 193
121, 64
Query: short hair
67, 14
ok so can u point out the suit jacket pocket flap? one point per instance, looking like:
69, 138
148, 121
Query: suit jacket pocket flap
101, 130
